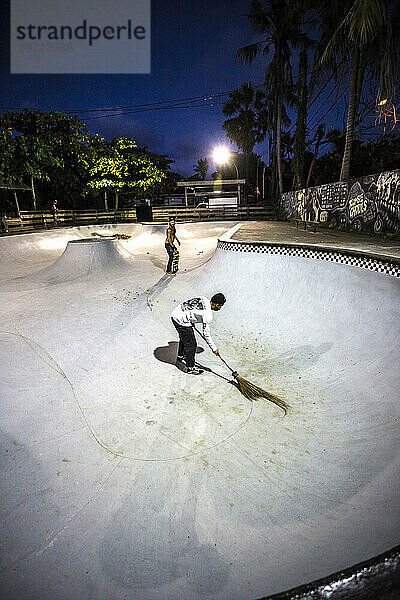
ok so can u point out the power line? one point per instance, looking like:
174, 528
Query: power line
326, 99
130, 112
330, 108
205, 97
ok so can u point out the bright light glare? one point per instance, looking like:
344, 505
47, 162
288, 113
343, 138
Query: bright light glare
221, 155
58, 243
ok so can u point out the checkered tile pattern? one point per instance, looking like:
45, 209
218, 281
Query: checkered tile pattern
347, 257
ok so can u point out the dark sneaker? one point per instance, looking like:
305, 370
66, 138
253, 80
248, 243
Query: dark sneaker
194, 371
180, 358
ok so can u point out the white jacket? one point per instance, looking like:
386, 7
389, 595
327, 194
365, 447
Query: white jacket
196, 310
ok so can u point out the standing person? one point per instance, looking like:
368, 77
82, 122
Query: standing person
184, 316
54, 211
5, 223
169, 243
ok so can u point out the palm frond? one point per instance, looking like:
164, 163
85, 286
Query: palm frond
260, 17
337, 47
364, 20
248, 53
388, 70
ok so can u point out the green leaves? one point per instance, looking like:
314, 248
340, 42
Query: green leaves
120, 164
57, 150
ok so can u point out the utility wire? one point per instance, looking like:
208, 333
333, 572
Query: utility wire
130, 112
330, 108
326, 99
205, 97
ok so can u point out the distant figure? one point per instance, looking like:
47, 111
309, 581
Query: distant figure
184, 318
54, 211
4, 221
170, 246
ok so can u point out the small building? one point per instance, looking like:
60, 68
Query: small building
13, 187
215, 192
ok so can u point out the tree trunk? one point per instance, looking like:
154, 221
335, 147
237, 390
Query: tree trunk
33, 193
246, 185
319, 135
314, 158
116, 200
273, 157
278, 149
17, 204
105, 200
351, 114
299, 147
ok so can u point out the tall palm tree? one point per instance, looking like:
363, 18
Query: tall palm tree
248, 122
201, 168
364, 38
249, 119
279, 21
299, 146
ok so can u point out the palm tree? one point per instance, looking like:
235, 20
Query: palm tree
361, 39
201, 168
279, 21
248, 120
299, 147
319, 134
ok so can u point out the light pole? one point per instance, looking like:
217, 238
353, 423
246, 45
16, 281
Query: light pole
222, 156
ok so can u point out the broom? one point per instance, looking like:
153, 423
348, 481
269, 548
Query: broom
249, 390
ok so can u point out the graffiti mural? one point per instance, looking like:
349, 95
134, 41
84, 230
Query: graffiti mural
368, 204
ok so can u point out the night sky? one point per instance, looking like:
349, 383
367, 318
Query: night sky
193, 54
194, 43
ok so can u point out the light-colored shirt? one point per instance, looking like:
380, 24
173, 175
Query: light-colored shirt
196, 310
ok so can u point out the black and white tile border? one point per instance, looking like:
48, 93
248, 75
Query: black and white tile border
353, 258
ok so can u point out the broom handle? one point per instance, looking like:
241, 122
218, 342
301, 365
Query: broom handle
225, 363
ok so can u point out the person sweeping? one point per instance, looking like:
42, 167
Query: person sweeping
199, 310
185, 316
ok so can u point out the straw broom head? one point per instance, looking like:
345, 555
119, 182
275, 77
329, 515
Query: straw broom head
253, 392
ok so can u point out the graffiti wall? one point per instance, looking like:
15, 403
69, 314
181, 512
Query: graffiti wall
369, 204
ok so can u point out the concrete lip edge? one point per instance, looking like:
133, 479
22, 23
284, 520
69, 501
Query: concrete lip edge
365, 580
322, 249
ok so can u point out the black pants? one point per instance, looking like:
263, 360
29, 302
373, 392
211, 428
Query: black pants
187, 343
170, 250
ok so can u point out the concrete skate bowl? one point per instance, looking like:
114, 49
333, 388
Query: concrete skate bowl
125, 478
326, 325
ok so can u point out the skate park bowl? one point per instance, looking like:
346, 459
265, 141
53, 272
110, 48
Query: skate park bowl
125, 477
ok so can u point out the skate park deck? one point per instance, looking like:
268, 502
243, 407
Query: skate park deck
123, 477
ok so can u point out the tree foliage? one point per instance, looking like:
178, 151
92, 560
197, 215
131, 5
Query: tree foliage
69, 164
248, 120
201, 169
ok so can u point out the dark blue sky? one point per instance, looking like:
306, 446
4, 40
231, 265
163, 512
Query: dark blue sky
193, 53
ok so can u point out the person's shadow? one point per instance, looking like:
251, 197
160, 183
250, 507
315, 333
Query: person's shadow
168, 354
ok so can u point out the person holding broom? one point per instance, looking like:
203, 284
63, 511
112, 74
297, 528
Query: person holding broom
169, 244
185, 316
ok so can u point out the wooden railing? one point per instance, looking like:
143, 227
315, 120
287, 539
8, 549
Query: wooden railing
219, 213
31, 221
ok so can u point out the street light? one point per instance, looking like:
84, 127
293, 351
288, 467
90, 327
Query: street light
222, 156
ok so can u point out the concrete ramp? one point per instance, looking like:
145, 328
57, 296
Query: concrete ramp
88, 257
123, 477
